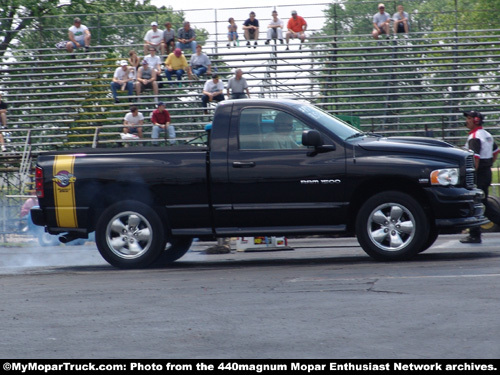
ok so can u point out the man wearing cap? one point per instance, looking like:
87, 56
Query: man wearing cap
168, 38
381, 21
154, 38
485, 153
176, 63
186, 37
79, 36
122, 80
296, 26
161, 120
146, 79
213, 90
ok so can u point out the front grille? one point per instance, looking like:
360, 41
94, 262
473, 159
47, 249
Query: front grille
470, 172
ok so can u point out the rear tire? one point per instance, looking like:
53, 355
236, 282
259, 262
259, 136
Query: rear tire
392, 226
130, 234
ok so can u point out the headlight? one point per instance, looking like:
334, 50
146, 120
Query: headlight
445, 177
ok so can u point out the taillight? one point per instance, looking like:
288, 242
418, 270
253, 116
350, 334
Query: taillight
39, 182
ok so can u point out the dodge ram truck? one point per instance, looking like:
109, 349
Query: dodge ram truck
267, 167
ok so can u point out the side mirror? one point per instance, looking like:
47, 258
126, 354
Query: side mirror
313, 138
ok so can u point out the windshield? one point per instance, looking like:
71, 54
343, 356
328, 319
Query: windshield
336, 126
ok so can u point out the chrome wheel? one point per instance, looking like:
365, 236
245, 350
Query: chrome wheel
391, 226
129, 235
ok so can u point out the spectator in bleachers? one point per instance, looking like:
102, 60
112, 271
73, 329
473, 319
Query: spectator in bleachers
275, 28
146, 79
122, 81
186, 37
199, 64
154, 62
79, 36
168, 38
154, 38
401, 21
2, 143
232, 33
381, 21
297, 27
133, 122
177, 64
134, 60
3, 116
212, 90
161, 120
251, 27
237, 86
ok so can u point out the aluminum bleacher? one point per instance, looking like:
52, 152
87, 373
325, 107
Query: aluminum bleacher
415, 86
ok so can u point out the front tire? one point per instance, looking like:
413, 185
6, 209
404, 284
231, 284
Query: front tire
130, 234
392, 226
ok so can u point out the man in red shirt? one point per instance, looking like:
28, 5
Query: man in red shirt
161, 120
296, 28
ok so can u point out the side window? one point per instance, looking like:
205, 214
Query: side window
283, 132
249, 129
269, 129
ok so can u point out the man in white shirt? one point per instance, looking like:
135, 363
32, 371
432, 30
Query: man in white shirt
485, 154
213, 90
79, 36
275, 28
122, 80
154, 62
133, 122
154, 38
381, 21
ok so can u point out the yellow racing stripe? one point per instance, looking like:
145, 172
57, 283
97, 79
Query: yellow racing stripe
64, 191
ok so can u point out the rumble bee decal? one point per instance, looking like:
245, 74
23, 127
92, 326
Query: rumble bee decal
64, 191
64, 178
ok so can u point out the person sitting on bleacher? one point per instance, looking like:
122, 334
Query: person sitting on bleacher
122, 80
296, 26
251, 27
177, 64
79, 36
275, 28
213, 90
146, 79
154, 62
186, 37
2, 143
199, 64
168, 38
3, 116
133, 122
154, 38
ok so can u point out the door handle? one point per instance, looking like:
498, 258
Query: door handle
243, 164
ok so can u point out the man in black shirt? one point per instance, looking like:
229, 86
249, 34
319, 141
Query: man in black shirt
251, 27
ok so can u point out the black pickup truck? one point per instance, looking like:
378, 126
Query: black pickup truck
268, 167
